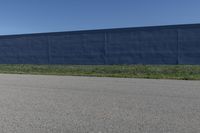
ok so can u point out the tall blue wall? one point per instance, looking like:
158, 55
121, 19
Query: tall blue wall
178, 44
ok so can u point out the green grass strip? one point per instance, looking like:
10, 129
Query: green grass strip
181, 72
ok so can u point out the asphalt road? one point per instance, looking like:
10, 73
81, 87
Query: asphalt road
64, 104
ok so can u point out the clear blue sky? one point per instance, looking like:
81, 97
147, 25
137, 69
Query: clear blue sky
32, 16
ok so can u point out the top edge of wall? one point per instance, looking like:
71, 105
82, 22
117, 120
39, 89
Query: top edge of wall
177, 26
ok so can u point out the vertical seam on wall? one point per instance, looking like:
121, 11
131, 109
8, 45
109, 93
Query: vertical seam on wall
105, 44
49, 50
178, 48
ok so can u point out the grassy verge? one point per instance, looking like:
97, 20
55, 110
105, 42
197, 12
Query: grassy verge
184, 72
